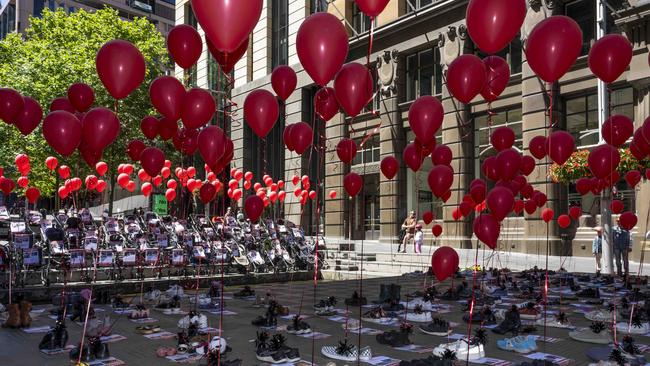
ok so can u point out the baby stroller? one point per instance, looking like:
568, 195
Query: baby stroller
203, 226
86, 217
54, 240
132, 229
34, 219
73, 232
112, 235
256, 259
236, 252
4, 222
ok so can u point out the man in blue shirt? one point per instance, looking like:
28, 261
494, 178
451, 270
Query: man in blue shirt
597, 247
622, 247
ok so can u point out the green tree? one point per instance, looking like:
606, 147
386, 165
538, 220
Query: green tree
58, 50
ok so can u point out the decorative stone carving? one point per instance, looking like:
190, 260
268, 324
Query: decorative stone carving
452, 46
387, 72
538, 10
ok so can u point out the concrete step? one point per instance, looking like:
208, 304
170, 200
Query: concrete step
331, 274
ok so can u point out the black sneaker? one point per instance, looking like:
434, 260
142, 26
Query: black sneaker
328, 303
591, 293
396, 338
510, 324
278, 344
298, 326
484, 316
438, 327
264, 352
356, 300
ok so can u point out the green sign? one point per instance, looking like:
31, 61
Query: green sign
160, 204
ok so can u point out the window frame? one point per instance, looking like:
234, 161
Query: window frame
413, 85
279, 33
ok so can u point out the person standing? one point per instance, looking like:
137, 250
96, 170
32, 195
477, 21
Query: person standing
597, 248
622, 247
418, 239
409, 227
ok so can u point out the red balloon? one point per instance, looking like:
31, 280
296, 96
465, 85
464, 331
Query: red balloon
62, 131
610, 56
441, 155
487, 229
120, 67
560, 146
11, 103
478, 193
502, 138
172, 184
425, 118
134, 149
553, 46
322, 46
152, 160
527, 165
564, 221
353, 183
372, 8
101, 168
456, 214
227, 60
498, 77
212, 143
530, 206
62, 104
64, 171
436, 230
167, 128
253, 206
627, 220
465, 208
198, 108
32, 194
583, 186
184, 45
466, 77
122, 179
547, 215
146, 189
633, 177
23, 182
149, 127
261, 111
539, 198
603, 160
427, 217
301, 136
353, 88
440, 179
508, 163
346, 150
207, 192
617, 130
283, 81
51, 162
170, 194
100, 128
81, 96
444, 263
489, 168
325, 103
518, 207
29, 117
167, 96
617, 206
186, 141
645, 132
492, 24
286, 137
575, 212
143, 176
412, 157
227, 23
389, 167
635, 150
537, 147
90, 156
500, 201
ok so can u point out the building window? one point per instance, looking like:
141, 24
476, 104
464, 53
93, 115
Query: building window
360, 21
511, 53
317, 5
423, 74
584, 13
367, 151
8, 21
510, 117
39, 5
412, 5
191, 74
51, 4
280, 33
217, 81
418, 195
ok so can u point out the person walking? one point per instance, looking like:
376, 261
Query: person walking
418, 239
409, 228
622, 247
597, 248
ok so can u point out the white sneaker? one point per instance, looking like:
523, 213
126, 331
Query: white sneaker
423, 317
175, 290
554, 323
152, 296
460, 348
624, 327
599, 315
350, 354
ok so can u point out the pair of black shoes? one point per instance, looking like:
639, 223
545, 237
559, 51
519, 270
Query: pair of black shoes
356, 300
511, 323
396, 338
56, 338
92, 350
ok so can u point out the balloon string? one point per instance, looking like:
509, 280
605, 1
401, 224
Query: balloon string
370, 40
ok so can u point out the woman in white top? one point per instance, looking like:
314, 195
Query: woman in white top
418, 239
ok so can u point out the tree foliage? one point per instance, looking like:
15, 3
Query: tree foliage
58, 50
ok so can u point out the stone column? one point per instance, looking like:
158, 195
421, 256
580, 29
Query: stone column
337, 214
457, 134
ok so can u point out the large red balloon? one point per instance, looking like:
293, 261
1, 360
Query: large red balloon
32, 194
301, 136
346, 150
553, 46
353, 183
186, 141
389, 167
62, 104
466, 77
413, 157
617, 206
120, 67
444, 263
441, 155
440, 179
29, 117
166, 94
500, 201
152, 160
90, 156
81, 96
325, 104
100, 128
487, 229
372, 8
560, 146
185, 45
353, 86
283, 81
425, 118
603, 160
253, 206
508, 163
627, 220
207, 192
633, 177
167, 128
198, 108
322, 46
261, 111
436, 230
537, 147
227, 23
134, 149
527, 165
62, 131
149, 127
502, 138
498, 76
489, 168
492, 24
617, 129
227, 60
11, 103
212, 143
286, 138
610, 56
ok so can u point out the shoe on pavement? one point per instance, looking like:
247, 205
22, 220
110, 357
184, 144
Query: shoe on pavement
437, 327
519, 344
347, 352
298, 326
463, 349
596, 333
